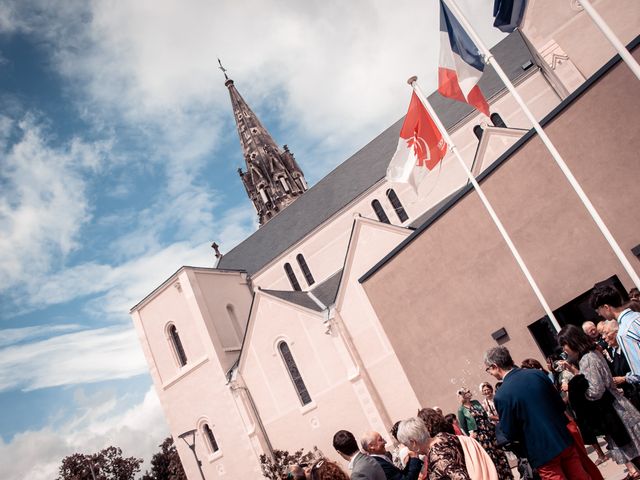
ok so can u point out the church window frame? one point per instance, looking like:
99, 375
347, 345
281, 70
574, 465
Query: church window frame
293, 371
210, 438
401, 213
285, 184
175, 344
291, 275
205, 429
302, 263
379, 211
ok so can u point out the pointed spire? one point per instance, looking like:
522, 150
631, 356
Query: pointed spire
273, 179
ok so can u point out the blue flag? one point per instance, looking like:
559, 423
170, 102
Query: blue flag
508, 14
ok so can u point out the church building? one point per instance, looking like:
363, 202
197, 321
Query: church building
358, 301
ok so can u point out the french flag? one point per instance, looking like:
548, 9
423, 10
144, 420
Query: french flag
461, 65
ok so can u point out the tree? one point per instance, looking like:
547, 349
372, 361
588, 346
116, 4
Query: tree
166, 465
276, 468
107, 464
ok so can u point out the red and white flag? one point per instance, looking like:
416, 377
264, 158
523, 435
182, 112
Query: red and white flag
460, 65
420, 148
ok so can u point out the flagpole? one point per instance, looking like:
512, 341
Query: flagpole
413, 81
615, 41
545, 139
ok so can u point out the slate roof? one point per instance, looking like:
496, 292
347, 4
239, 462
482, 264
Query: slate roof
299, 298
327, 291
361, 171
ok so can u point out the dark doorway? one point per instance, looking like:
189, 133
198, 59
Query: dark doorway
575, 312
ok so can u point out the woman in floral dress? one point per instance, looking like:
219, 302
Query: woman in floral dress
444, 454
474, 421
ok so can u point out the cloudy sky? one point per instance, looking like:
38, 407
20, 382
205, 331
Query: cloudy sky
118, 158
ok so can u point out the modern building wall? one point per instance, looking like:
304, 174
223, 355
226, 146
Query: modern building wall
440, 298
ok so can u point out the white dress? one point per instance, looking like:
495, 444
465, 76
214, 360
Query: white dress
595, 369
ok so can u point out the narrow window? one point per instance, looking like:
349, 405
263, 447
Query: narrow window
212, 445
292, 277
397, 206
294, 373
477, 131
177, 346
284, 183
379, 211
497, 121
305, 269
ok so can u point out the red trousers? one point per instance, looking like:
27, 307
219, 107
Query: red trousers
566, 466
587, 464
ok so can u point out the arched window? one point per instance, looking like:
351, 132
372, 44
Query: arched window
177, 346
292, 277
497, 121
294, 373
477, 130
379, 211
305, 269
397, 206
210, 439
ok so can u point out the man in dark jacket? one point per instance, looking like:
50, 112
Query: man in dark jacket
374, 445
532, 412
362, 466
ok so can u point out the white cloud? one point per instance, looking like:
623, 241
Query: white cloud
42, 202
11, 336
72, 358
36, 455
118, 287
333, 73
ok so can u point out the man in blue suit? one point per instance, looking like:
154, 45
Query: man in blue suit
532, 413
374, 445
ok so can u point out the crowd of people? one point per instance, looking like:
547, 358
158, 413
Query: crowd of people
541, 418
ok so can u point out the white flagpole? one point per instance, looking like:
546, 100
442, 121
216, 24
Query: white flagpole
615, 41
545, 139
413, 81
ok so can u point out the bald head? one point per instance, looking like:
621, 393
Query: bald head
590, 329
372, 442
610, 333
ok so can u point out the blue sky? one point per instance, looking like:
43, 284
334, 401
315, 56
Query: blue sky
118, 158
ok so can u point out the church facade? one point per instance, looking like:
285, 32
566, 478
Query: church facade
330, 315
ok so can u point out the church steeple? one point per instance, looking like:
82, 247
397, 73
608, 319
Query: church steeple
273, 179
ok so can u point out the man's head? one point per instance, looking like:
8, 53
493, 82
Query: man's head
372, 442
498, 362
634, 294
610, 333
345, 444
606, 301
590, 329
600, 327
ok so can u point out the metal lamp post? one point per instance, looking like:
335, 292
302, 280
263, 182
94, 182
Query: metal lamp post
189, 438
